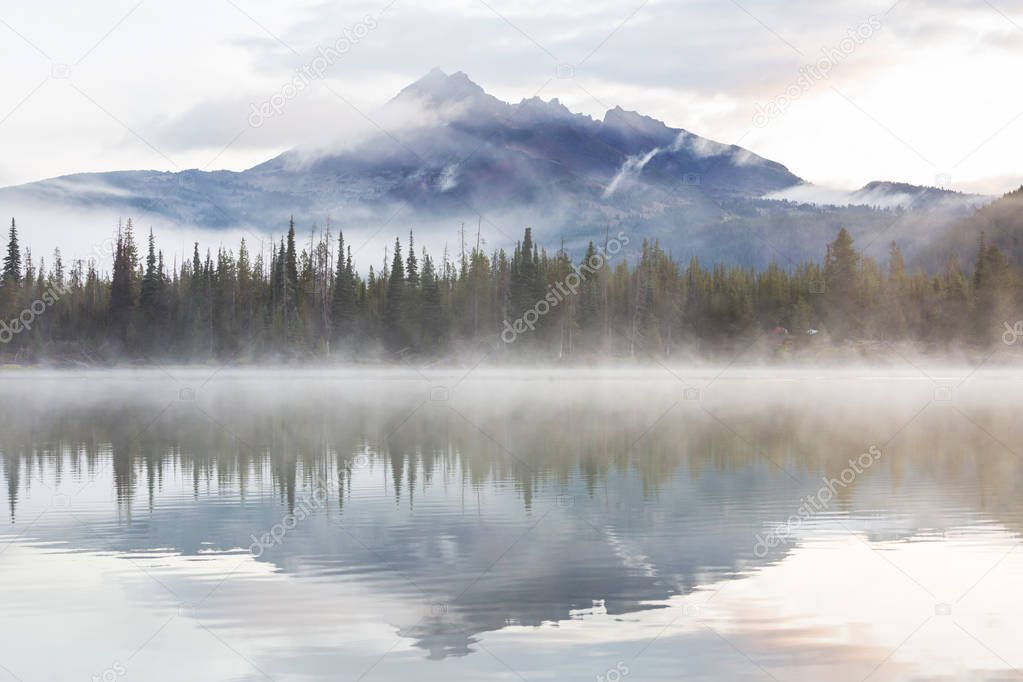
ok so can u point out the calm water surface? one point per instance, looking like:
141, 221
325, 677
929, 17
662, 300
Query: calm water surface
657, 525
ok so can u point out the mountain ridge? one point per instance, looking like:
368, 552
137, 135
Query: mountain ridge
469, 156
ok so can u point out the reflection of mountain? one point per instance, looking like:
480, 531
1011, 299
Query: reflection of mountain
534, 163
588, 502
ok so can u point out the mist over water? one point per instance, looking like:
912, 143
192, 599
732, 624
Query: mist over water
525, 341
480, 524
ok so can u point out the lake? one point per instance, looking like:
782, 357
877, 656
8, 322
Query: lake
481, 524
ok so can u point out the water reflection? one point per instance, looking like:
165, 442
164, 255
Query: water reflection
448, 516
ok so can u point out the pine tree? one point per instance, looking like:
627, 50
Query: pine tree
841, 266
12, 261
524, 275
227, 306
432, 310
993, 289
58, 268
411, 264
246, 292
150, 280
122, 302
151, 303
290, 291
412, 314
279, 292
343, 303
896, 323
394, 322
30, 272
589, 294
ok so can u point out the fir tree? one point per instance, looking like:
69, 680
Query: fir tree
411, 264
12, 261
291, 261
432, 311
151, 280
589, 296
343, 303
244, 307
151, 296
122, 302
394, 327
840, 277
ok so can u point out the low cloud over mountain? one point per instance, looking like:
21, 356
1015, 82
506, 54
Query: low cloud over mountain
443, 152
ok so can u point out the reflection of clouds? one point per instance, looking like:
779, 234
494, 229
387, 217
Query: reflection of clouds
874, 606
667, 533
630, 558
804, 620
800, 619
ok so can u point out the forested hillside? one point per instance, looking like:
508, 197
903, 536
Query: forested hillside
529, 304
1001, 222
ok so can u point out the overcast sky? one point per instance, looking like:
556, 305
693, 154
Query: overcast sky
932, 91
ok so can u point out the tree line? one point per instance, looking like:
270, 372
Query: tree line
311, 302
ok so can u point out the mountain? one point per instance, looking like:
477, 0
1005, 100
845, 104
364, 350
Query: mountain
480, 154
1001, 224
916, 197
882, 194
449, 152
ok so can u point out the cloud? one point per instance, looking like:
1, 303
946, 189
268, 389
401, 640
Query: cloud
697, 64
631, 168
831, 196
448, 178
993, 185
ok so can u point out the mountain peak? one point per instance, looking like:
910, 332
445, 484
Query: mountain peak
535, 160
438, 87
632, 127
550, 109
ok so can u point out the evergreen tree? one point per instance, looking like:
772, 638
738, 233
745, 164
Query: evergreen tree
394, 327
993, 293
151, 296
412, 313
122, 302
896, 322
279, 287
953, 316
434, 324
12, 261
291, 260
243, 307
411, 264
246, 293
290, 290
151, 280
58, 268
525, 274
589, 294
841, 265
343, 303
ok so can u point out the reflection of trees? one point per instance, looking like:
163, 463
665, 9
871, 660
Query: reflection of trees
683, 490
12, 474
535, 441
